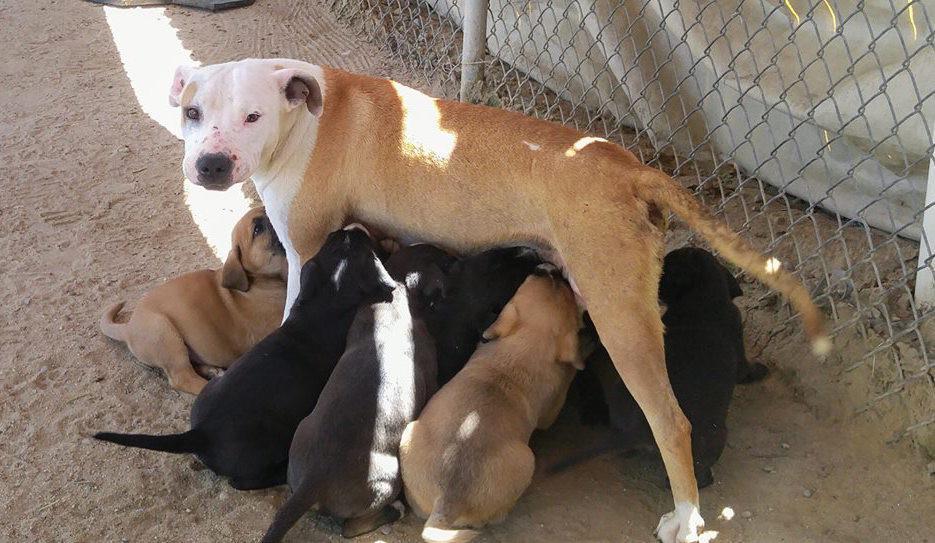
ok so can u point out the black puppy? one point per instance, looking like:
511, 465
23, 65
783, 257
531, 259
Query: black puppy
242, 422
479, 287
345, 455
704, 356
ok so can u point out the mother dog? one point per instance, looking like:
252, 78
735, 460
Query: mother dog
322, 145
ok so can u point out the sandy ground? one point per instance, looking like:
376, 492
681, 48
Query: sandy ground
92, 209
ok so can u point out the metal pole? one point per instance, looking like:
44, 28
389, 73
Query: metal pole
925, 277
473, 49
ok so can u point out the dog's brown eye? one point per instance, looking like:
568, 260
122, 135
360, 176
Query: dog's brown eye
253, 117
192, 113
258, 228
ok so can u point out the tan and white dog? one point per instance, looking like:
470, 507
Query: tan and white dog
323, 145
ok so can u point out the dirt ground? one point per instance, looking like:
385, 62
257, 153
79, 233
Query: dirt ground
93, 209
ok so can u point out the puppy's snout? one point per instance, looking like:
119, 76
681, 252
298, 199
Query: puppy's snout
214, 169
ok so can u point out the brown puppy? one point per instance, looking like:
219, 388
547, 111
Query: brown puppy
209, 316
321, 144
466, 460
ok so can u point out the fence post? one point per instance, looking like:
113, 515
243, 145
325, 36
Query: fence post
925, 278
473, 49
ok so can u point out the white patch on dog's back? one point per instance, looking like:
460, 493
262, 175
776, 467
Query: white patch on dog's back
396, 393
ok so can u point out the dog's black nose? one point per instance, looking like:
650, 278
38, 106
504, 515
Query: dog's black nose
214, 169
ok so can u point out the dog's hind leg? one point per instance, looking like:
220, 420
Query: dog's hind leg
157, 343
614, 255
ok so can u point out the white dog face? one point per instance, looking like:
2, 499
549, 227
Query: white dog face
233, 115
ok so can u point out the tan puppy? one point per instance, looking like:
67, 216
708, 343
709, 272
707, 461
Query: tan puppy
321, 144
466, 460
209, 316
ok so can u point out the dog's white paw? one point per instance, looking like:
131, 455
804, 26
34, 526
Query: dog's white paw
684, 525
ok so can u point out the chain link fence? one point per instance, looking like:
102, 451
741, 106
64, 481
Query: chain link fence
806, 124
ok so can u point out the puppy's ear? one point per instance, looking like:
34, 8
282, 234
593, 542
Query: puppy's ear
182, 76
300, 87
433, 284
504, 325
569, 351
233, 276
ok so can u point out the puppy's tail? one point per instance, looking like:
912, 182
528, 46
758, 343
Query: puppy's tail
110, 326
438, 529
655, 186
186, 442
296, 505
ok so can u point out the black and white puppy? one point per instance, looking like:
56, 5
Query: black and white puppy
242, 423
478, 288
704, 357
344, 457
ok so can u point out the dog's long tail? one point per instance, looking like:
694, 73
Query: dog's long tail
186, 442
303, 499
438, 528
655, 186
110, 326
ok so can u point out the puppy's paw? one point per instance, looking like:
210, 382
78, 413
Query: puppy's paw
684, 525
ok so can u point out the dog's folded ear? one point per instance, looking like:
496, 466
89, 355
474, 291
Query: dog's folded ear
432, 285
233, 276
569, 351
504, 325
300, 88
182, 76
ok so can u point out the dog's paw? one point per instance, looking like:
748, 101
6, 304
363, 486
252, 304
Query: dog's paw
684, 525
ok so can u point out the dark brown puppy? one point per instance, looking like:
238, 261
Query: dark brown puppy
344, 457
704, 356
242, 423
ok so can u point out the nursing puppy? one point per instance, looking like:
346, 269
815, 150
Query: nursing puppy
243, 422
704, 356
209, 317
466, 460
478, 287
344, 456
